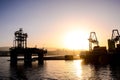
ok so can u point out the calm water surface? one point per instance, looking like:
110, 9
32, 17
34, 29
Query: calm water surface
57, 70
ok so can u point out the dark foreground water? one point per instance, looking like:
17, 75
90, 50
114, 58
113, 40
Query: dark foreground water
57, 70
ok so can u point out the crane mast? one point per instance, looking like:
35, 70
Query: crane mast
115, 36
114, 42
92, 40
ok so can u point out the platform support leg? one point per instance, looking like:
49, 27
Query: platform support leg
28, 59
40, 58
13, 58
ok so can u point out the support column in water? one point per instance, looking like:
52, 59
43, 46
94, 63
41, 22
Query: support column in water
40, 58
13, 58
28, 58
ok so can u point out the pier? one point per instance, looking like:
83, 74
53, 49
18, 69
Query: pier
20, 48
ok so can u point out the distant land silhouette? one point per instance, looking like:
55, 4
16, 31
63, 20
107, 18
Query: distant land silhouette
7, 48
4, 51
4, 48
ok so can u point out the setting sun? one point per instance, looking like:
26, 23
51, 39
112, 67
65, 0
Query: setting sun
76, 39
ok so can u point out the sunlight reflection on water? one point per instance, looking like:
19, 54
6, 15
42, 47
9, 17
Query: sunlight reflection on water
57, 70
78, 68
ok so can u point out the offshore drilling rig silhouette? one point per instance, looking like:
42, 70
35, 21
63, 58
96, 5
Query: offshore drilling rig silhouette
20, 47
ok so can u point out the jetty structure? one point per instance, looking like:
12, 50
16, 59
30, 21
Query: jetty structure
20, 48
114, 47
100, 54
96, 52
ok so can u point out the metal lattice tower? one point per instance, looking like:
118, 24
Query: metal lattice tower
92, 40
20, 39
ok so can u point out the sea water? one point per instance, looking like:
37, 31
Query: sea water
57, 70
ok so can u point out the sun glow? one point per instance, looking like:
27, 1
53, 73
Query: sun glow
76, 40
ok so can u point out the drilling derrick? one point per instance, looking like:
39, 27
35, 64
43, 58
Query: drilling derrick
114, 42
92, 40
20, 39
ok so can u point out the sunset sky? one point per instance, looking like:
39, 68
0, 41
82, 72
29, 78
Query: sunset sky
54, 23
